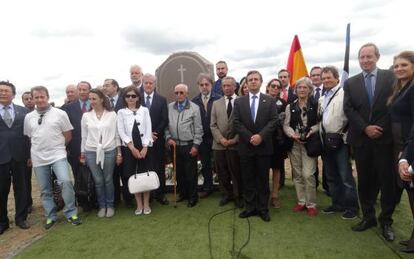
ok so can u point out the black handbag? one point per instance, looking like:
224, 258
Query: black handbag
313, 145
333, 141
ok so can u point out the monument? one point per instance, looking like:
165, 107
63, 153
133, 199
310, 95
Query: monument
182, 67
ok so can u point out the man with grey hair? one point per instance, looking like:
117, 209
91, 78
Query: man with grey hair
185, 134
226, 157
157, 106
365, 105
135, 73
205, 101
71, 93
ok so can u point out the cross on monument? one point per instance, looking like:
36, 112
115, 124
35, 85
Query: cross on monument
181, 70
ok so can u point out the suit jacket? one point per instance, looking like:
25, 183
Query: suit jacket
119, 103
359, 112
158, 113
221, 125
206, 115
265, 124
291, 95
13, 143
74, 112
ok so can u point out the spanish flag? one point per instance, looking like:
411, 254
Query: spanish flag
296, 63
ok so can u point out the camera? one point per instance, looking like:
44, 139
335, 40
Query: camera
303, 131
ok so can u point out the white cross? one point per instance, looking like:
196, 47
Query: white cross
181, 70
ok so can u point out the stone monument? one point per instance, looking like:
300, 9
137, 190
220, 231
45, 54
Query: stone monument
182, 67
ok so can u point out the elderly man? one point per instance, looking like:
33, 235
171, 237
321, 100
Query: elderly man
365, 105
49, 129
157, 106
185, 134
135, 73
226, 157
205, 100
14, 155
336, 158
255, 120
71, 93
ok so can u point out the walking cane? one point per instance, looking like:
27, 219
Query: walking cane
175, 176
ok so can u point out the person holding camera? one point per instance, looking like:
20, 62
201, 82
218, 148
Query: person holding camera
300, 123
336, 156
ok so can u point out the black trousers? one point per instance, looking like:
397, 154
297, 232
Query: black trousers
374, 165
186, 173
205, 157
255, 175
13, 172
29, 185
156, 162
410, 193
227, 164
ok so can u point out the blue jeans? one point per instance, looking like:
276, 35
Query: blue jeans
43, 175
340, 180
103, 178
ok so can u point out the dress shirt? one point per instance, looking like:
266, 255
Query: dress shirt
88, 104
99, 135
150, 99
373, 79
115, 99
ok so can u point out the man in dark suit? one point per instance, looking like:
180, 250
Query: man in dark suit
369, 134
221, 72
205, 101
288, 91
255, 119
158, 108
14, 154
112, 90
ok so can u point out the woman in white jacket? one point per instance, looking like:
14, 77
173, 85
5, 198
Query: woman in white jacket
134, 127
100, 149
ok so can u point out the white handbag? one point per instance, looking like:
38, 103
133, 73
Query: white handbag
143, 182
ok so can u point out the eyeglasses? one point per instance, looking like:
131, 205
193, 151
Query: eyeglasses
276, 86
179, 92
131, 96
39, 121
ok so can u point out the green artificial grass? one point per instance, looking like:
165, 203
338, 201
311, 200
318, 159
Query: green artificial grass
183, 233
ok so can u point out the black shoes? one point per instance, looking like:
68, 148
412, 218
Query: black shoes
3, 229
224, 201
265, 216
162, 200
388, 233
364, 225
191, 203
23, 224
247, 213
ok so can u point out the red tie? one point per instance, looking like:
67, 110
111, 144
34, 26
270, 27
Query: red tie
84, 107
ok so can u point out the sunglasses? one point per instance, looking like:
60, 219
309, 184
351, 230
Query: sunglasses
179, 92
130, 96
276, 86
39, 121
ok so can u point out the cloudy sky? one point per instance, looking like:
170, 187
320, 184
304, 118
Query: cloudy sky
55, 43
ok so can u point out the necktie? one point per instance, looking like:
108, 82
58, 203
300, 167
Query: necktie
285, 94
205, 102
252, 107
317, 94
112, 102
368, 88
7, 116
84, 107
229, 107
147, 102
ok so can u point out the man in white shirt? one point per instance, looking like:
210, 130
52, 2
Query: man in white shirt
49, 130
337, 160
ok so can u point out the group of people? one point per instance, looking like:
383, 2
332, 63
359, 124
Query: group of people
234, 128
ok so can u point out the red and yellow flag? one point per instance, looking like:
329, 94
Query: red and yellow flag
296, 63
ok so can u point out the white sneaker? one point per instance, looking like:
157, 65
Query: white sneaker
147, 211
101, 213
138, 212
110, 212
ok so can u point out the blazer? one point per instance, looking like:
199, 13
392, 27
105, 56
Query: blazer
74, 113
221, 126
206, 115
291, 95
158, 113
14, 144
359, 112
265, 124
